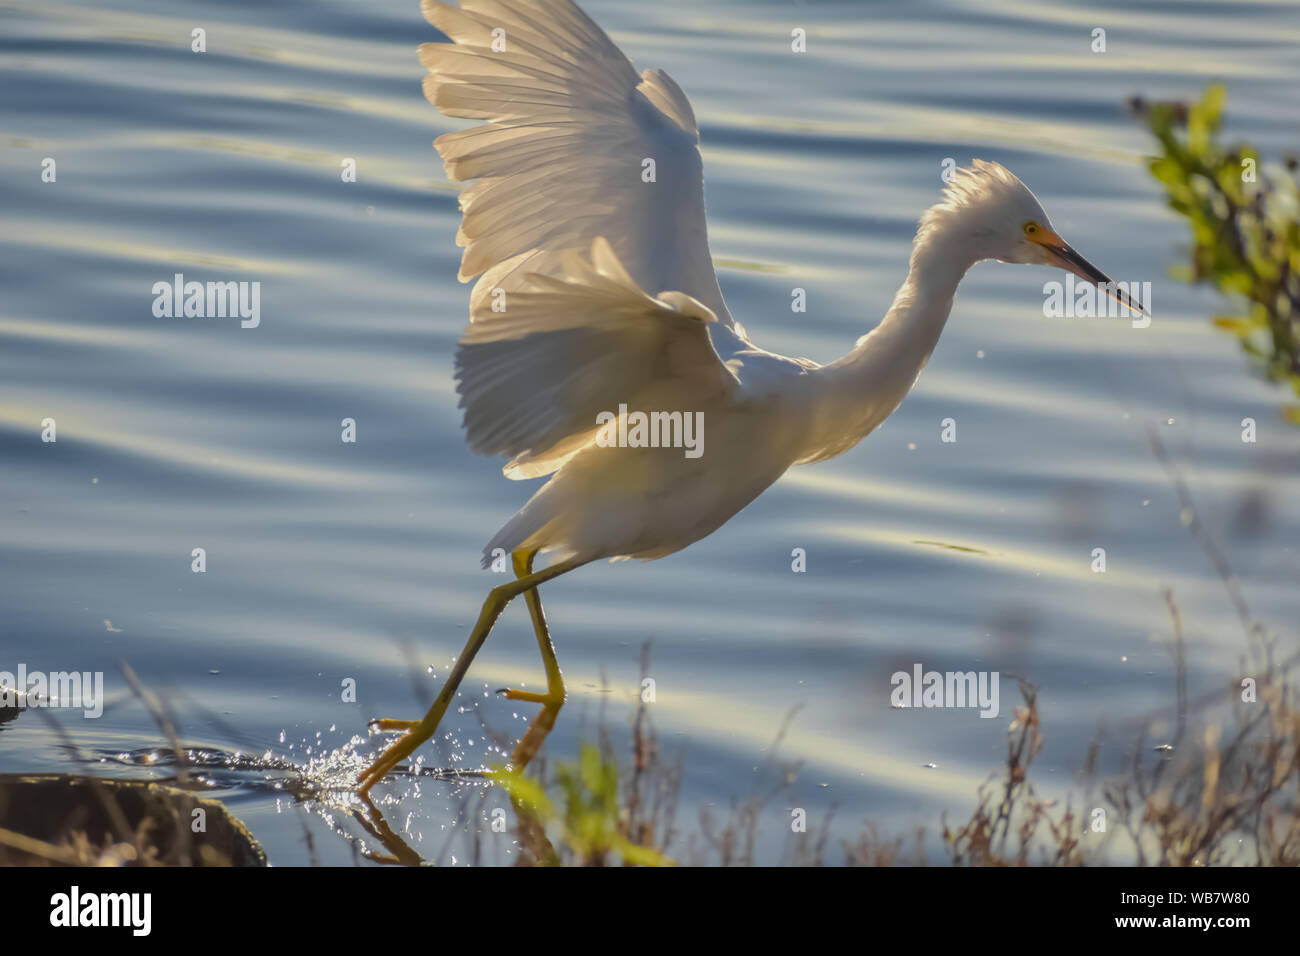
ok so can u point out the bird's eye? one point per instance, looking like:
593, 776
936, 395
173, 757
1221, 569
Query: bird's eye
1031, 228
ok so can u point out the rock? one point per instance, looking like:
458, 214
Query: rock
64, 819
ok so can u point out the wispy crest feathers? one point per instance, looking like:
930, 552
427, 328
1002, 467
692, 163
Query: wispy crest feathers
979, 186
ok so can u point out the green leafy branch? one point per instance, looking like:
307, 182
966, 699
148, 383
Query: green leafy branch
1245, 228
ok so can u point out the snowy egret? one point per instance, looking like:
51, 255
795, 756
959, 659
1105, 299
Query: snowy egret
597, 301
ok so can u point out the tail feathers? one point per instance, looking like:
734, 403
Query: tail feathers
520, 531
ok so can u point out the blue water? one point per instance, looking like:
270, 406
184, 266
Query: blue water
329, 561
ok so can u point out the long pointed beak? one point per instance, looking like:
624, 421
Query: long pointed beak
1063, 254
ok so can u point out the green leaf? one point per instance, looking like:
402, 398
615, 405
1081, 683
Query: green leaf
1238, 324
1216, 94
527, 792
1168, 171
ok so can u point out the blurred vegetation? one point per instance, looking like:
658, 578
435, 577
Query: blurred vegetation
591, 827
1245, 228
1207, 781
1224, 795
1213, 781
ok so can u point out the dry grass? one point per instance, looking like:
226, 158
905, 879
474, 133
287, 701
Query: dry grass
1230, 796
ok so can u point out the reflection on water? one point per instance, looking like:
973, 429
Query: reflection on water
329, 562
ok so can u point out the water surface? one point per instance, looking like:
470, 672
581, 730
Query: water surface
329, 561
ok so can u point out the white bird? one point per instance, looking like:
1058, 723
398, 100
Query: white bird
597, 294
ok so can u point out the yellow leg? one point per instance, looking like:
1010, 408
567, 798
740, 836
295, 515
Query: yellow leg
417, 732
553, 699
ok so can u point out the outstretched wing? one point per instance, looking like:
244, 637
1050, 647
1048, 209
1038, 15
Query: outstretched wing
533, 379
575, 146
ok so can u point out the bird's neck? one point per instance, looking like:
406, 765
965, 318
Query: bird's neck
863, 388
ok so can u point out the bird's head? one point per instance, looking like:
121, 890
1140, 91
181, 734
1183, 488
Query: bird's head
990, 208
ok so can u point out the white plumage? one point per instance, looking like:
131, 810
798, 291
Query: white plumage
597, 293
596, 290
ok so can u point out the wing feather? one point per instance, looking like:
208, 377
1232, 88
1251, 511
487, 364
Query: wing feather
560, 159
564, 228
566, 348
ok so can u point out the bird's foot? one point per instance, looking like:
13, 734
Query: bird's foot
549, 699
383, 724
395, 753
